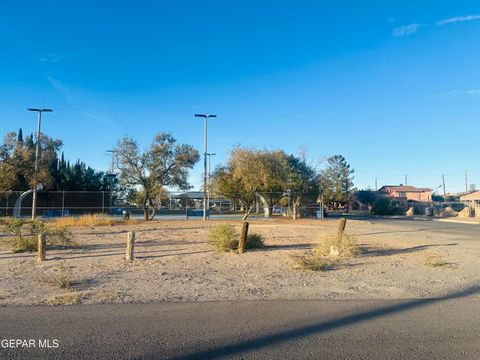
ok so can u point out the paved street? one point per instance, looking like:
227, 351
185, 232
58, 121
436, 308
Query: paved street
444, 328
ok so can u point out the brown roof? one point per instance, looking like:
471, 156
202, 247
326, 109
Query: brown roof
472, 196
404, 188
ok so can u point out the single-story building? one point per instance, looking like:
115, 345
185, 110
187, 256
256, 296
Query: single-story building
406, 193
472, 200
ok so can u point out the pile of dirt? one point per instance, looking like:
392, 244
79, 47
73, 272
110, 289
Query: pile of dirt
448, 212
466, 212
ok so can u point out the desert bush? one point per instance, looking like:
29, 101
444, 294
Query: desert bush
340, 245
224, 237
386, 207
60, 277
14, 225
254, 241
25, 244
37, 227
60, 236
314, 263
327, 252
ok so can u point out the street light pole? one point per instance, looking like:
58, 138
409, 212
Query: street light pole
37, 153
209, 176
205, 124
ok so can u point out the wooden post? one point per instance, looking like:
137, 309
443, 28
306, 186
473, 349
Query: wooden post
42, 247
130, 246
243, 238
341, 226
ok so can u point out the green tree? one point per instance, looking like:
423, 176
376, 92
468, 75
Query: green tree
336, 181
165, 164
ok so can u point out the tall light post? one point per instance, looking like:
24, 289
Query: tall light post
209, 175
37, 153
111, 177
205, 124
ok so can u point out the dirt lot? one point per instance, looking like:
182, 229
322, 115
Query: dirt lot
174, 263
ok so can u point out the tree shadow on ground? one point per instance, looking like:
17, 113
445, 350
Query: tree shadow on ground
399, 231
243, 346
379, 251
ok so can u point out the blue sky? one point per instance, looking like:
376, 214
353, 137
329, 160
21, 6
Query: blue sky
394, 86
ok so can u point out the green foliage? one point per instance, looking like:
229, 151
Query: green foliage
17, 164
25, 244
386, 207
165, 164
270, 173
37, 227
14, 225
336, 181
314, 263
60, 236
254, 241
366, 197
224, 237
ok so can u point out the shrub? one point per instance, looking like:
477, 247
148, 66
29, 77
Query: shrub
254, 241
25, 244
60, 236
14, 225
340, 245
224, 237
314, 263
37, 227
386, 207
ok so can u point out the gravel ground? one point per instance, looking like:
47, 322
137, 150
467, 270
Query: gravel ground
174, 263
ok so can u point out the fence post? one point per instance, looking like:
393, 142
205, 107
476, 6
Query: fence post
243, 238
42, 247
130, 246
341, 226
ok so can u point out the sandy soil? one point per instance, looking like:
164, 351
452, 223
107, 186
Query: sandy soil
174, 263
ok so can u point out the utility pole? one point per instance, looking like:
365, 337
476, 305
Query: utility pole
37, 154
444, 191
406, 180
205, 175
466, 182
376, 185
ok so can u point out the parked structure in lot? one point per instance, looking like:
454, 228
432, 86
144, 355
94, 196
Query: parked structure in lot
406, 193
472, 200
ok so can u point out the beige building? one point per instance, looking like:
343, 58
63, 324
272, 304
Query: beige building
472, 200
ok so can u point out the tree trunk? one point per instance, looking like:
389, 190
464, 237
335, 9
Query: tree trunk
154, 212
145, 212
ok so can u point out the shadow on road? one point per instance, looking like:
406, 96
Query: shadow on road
315, 329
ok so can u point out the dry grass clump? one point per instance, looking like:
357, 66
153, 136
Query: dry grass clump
60, 277
84, 221
339, 246
225, 237
327, 252
437, 262
69, 298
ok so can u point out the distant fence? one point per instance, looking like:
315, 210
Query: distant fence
58, 203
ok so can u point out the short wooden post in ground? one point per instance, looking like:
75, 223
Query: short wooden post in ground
243, 238
42, 247
130, 246
341, 226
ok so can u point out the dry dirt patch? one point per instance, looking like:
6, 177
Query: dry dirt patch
175, 263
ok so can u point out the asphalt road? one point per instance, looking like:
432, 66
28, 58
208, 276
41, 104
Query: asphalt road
444, 328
